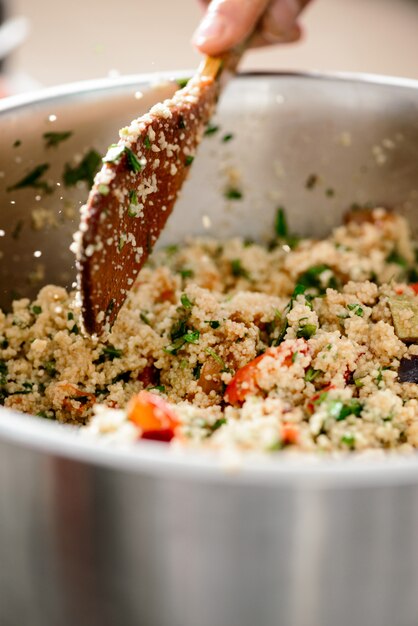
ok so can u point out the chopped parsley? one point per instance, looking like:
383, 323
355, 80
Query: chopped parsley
115, 153
238, 270
349, 440
340, 410
306, 331
144, 318
159, 388
182, 82
188, 160
49, 367
356, 308
36, 309
312, 278
110, 306
147, 142
186, 273
109, 353
33, 179
311, 375
185, 301
103, 189
213, 324
233, 193
398, 259
217, 358
216, 425
211, 129
281, 227
227, 137
190, 336
53, 139
85, 171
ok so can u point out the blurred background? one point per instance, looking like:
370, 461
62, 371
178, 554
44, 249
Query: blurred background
70, 40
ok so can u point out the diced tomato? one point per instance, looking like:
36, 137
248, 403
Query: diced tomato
289, 434
153, 416
313, 401
245, 383
414, 286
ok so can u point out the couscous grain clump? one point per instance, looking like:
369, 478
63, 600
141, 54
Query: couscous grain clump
238, 345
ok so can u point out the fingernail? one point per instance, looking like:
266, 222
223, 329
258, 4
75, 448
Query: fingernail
210, 28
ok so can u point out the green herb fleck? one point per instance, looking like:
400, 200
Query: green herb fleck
216, 425
159, 388
147, 142
211, 130
311, 375
144, 318
213, 324
356, 308
122, 242
33, 179
281, 228
103, 189
53, 139
110, 352
185, 301
398, 259
227, 137
84, 171
181, 123
182, 82
306, 332
188, 160
232, 193
217, 358
312, 278
17, 143
36, 309
238, 270
349, 440
70, 316
110, 307
186, 273
49, 367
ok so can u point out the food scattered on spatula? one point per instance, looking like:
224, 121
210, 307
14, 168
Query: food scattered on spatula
134, 193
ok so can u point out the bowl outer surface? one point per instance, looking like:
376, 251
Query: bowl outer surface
92, 536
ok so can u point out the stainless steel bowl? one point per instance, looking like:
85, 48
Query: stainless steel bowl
91, 535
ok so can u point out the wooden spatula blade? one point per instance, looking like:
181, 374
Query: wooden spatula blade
133, 195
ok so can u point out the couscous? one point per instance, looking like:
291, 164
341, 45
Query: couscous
230, 344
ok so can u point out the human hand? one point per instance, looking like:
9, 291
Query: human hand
229, 22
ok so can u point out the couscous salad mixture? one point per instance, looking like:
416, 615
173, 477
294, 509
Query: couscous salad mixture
303, 344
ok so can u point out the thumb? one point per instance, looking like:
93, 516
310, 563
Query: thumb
227, 23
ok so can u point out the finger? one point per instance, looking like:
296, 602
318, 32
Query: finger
227, 23
281, 17
267, 38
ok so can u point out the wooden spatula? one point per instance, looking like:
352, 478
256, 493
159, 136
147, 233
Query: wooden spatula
135, 191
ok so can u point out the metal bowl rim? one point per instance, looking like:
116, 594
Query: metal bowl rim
155, 458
